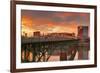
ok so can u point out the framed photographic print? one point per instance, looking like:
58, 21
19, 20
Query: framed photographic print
52, 36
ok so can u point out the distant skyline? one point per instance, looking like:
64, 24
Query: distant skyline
52, 21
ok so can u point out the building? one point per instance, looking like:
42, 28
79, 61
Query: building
61, 35
37, 34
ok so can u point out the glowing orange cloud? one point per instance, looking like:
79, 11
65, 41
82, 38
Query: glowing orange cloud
27, 21
49, 22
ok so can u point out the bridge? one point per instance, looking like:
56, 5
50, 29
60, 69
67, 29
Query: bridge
42, 48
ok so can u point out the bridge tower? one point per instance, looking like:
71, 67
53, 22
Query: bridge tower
83, 43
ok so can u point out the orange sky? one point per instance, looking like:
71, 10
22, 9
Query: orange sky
48, 21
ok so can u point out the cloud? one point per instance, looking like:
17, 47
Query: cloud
50, 21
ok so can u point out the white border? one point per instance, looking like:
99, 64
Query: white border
20, 65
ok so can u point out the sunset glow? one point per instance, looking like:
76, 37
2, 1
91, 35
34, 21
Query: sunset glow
50, 22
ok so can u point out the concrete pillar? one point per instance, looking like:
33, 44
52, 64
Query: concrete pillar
83, 54
63, 55
80, 55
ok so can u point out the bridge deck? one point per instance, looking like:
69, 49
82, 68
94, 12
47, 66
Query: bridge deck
42, 39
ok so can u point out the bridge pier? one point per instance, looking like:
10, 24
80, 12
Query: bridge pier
63, 55
83, 54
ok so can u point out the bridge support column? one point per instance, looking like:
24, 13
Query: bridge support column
83, 54
63, 55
